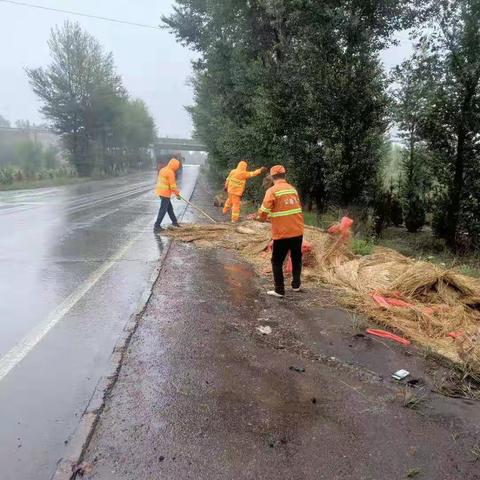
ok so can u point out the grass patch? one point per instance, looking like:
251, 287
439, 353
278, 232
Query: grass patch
411, 399
469, 270
358, 324
248, 207
424, 246
413, 473
310, 218
362, 247
476, 452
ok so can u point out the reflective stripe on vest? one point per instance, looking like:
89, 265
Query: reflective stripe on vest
265, 210
281, 193
237, 182
286, 213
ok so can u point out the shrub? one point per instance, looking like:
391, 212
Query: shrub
415, 215
382, 212
362, 247
396, 212
7, 175
19, 177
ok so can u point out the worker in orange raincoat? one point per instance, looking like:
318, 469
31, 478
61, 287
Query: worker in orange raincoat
235, 186
282, 206
166, 187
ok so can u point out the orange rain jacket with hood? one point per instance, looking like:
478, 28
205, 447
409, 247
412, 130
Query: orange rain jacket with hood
282, 206
167, 180
235, 183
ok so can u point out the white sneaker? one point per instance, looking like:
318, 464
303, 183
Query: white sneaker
273, 293
299, 289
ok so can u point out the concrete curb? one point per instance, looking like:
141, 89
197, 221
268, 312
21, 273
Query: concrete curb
66, 467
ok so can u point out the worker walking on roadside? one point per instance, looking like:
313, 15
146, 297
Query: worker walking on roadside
166, 187
235, 186
282, 206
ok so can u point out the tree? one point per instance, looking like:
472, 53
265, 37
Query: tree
23, 124
50, 154
450, 49
4, 122
411, 96
296, 83
139, 132
80, 91
413, 190
29, 156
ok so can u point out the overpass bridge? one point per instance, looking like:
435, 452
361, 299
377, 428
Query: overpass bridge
164, 145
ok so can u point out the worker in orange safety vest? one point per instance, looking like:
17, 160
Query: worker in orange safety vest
166, 187
235, 186
282, 207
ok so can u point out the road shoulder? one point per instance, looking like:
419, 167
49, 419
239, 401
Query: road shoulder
203, 394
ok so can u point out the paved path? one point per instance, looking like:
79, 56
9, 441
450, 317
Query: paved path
74, 262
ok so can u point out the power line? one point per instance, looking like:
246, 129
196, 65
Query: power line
79, 14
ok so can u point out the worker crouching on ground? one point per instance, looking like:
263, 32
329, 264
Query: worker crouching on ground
235, 186
166, 187
282, 206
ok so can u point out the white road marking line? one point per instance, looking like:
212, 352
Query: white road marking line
16, 354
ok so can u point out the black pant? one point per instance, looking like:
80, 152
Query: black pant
165, 207
279, 253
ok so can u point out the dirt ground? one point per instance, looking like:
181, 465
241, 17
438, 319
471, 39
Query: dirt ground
202, 394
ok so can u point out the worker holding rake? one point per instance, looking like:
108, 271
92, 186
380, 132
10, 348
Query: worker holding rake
235, 186
282, 206
166, 187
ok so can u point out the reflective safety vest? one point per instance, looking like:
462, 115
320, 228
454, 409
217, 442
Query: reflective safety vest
167, 181
282, 206
237, 179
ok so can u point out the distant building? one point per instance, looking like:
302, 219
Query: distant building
14, 135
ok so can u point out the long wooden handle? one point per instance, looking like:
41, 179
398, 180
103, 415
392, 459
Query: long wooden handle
198, 209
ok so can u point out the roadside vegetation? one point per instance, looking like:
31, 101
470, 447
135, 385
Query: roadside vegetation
25, 162
292, 83
102, 130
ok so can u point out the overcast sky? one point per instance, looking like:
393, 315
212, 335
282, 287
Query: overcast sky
153, 66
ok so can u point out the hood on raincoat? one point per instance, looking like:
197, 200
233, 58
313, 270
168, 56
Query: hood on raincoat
174, 164
242, 166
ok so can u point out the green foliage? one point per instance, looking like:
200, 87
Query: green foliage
391, 170
414, 215
50, 160
413, 187
469, 270
382, 211
88, 106
444, 76
396, 212
293, 83
31, 161
29, 157
408, 110
7, 175
311, 218
4, 122
362, 247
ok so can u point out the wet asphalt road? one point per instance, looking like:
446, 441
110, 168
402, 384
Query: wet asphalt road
74, 262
